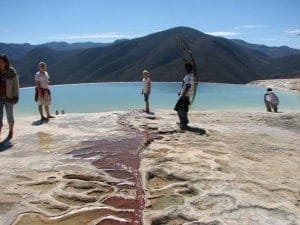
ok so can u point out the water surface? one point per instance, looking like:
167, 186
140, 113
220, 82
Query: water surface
101, 97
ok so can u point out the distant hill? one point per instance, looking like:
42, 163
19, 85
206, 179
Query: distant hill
72, 46
17, 51
272, 52
285, 67
27, 66
218, 60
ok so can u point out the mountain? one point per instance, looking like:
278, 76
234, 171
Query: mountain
72, 46
272, 52
160, 54
15, 51
27, 66
18, 51
120, 40
288, 66
218, 60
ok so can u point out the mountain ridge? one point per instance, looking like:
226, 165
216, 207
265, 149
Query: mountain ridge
218, 60
273, 52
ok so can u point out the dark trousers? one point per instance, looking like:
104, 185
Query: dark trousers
182, 108
270, 106
183, 117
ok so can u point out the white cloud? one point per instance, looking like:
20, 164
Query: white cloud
92, 36
249, 26
223, 33
293, 31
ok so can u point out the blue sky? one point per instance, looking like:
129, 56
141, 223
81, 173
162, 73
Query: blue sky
269, 22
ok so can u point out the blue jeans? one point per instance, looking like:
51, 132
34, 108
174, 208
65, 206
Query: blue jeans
9, 111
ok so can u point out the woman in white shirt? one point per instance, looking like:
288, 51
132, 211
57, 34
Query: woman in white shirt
43, 94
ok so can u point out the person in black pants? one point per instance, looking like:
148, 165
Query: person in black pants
185, 95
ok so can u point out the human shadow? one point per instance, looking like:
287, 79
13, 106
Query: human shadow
197, 130
39, 122
275, 112
150, 113
5, 144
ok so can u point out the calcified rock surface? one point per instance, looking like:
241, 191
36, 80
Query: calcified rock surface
47, 177
283, 84
230, 168
245, 169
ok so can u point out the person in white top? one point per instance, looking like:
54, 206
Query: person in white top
271, 100
187, 88
146, 89
42, 91
185, 96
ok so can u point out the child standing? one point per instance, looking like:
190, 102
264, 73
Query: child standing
146, 90
43, 94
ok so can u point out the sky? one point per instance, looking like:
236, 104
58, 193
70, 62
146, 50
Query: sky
268, 22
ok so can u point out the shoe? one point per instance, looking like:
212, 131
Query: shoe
183, 126
43, 118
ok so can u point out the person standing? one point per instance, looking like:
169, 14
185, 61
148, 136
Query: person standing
43, 94
185, 96
146, 89
9, 92
271, 100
